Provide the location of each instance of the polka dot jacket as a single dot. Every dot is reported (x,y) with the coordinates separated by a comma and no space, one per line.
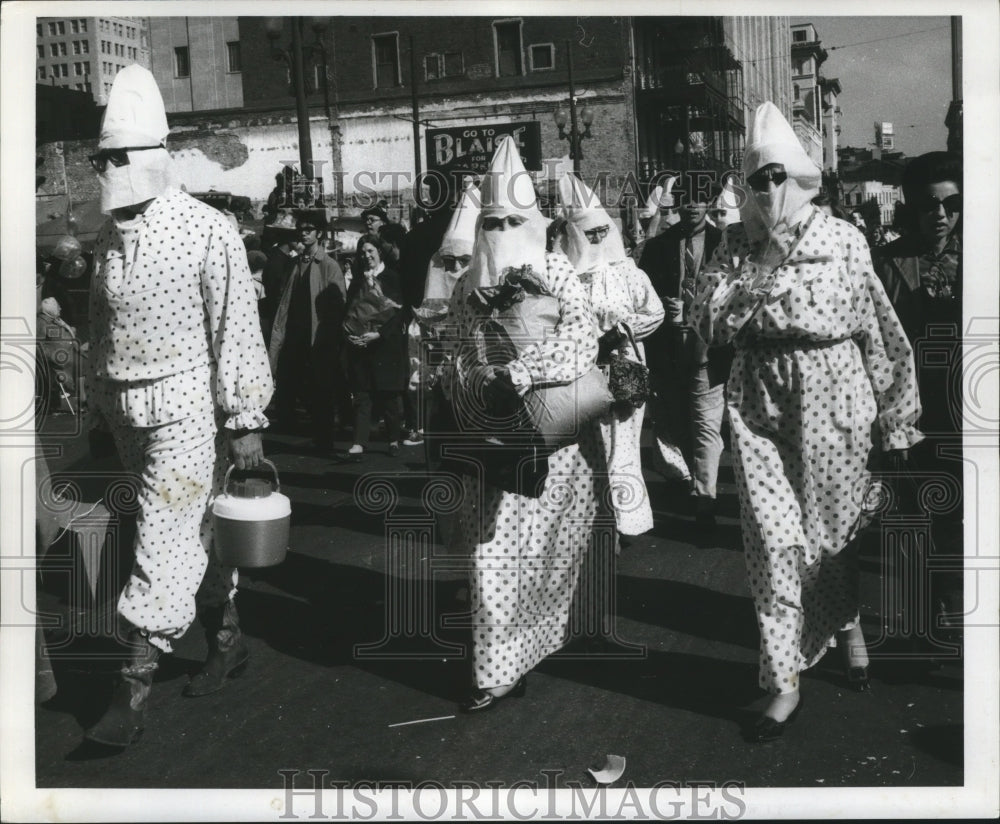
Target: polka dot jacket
(174,323)
(825,291)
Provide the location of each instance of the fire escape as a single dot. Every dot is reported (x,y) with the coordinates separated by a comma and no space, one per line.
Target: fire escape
(689,97)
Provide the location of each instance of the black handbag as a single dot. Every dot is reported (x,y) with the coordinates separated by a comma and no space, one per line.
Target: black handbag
(628,379)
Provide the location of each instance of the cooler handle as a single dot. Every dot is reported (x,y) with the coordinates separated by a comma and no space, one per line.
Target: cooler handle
(277,481)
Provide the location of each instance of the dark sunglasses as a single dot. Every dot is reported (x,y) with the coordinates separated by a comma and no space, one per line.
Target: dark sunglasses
(117,157)
(759,180)
(491,224)
(952,204)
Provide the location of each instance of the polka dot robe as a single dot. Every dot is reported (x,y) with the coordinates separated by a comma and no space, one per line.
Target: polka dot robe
(621,293)
(527,552)
(823,374)
(177,357)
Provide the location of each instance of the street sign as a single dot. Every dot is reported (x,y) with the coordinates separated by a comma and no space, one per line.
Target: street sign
(470,148)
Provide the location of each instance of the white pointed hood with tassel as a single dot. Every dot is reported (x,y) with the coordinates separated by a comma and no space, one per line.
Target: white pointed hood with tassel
(135,116)
(772,140)
(507,191)
(458,241)
(583,211)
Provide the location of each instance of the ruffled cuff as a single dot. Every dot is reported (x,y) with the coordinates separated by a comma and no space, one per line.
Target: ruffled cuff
(247,419)
(519,376)
(903,437)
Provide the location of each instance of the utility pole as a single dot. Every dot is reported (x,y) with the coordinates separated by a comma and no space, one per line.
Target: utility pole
(301,108)
(574,140)
(953,120)
(416,114)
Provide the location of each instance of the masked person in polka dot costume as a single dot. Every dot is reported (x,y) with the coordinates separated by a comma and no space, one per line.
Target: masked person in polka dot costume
(527,552)
(180,379)
(823,377)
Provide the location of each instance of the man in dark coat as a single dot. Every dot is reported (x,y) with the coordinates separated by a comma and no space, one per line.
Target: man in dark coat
(922,274)
(688,378)
(305,348)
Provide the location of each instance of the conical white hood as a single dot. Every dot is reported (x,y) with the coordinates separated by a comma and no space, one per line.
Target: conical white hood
(135,115)
(507,187)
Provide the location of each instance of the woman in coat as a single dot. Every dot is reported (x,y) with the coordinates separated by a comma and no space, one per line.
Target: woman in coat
(822,382)
(377,358)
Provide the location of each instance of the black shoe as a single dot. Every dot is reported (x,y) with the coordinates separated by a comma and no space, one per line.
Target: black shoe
(857,674)
(766,728)
(857,678)
(480,700)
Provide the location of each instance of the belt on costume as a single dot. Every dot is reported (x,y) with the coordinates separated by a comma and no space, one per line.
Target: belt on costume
(788,343)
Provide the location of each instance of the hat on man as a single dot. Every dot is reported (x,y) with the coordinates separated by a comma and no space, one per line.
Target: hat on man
(375,211)
(317,217)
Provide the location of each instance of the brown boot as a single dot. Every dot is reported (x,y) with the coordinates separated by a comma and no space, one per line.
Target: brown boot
(122,723)
(227,651)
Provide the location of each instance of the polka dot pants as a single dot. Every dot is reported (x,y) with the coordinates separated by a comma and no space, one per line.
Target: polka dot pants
(181,465)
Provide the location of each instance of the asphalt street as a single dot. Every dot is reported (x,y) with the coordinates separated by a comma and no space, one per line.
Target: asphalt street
(350,640)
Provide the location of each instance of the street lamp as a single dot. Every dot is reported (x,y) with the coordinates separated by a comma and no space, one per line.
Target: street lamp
(294,58)
(574,136)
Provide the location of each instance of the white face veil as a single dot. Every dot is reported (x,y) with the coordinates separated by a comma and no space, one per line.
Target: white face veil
(583,212)
(135,116)
(772,140)
(457,242)
(507,191)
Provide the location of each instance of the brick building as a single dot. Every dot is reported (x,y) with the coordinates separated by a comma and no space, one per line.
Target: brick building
(470,71)
(197,62)
(85,53)
(807,106)
(644,84)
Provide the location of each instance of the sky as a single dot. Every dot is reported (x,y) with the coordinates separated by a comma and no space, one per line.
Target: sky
(905,80)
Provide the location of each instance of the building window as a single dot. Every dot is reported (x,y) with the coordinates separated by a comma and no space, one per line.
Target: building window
(182,63)
(385,60)
(86,68)
(448,64)
(507,38)
(83,25)
(234,61)
(799,36)
(61,27)
(76,47)
(41,72)
(78,69)
(38,29)
(52,29)
(542,56)
(432,66)
(41,52)
(86,47)
(54,49)
(74,26)
(62,49)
